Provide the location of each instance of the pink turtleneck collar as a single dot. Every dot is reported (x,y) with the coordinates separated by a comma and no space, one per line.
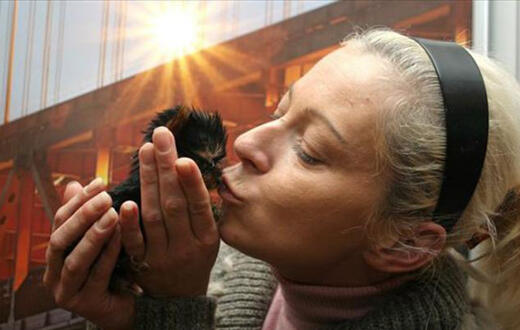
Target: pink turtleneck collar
(301,306)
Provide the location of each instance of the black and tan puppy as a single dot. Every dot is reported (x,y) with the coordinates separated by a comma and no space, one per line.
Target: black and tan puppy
(200,136)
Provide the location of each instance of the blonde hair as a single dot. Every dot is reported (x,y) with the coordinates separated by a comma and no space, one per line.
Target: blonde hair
(411,151)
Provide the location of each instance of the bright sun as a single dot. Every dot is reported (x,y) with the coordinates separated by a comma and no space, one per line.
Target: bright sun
(174,31)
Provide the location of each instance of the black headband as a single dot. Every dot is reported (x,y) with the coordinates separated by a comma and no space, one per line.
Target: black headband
(467,122)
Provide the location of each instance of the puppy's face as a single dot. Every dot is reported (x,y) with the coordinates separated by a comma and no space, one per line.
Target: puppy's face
(199,135)
(202,137)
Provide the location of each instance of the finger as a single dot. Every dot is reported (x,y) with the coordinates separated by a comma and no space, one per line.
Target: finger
(71,189)
(70,232)
(99,277)
(199,206)
(150,206)
(173,201)
(131,236)
(74,203)
(77,264)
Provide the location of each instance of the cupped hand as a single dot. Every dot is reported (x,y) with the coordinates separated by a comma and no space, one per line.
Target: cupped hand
(180,240)
(79,280)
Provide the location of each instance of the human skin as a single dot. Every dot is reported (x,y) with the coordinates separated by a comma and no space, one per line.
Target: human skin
(177,217)
(307,181)
(304,191)
(306,218)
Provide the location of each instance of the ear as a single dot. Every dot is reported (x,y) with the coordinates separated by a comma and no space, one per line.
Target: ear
(176,123)
(423,244)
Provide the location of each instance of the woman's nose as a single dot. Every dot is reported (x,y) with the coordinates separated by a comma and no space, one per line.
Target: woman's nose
(252,147)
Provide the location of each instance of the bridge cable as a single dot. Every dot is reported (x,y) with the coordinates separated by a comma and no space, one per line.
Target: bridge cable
(269,7)
(46,55)
(301,4)
(59,51)
(286,9)
(115,42)
(4,63)
(235,21)
(103,44)
(201,23)
(14,11)
(28,59)
(122,39)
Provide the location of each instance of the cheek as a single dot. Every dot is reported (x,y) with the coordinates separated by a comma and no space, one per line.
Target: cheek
(301,194)
(318,207)
(292,210)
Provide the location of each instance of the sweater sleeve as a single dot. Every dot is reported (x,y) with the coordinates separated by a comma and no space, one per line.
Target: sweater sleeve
(175,313)
(171,313)
(184,313)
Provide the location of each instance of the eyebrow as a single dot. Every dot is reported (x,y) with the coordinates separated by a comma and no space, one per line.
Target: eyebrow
(321,117)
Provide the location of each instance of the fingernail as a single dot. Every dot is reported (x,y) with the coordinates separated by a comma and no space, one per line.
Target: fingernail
(147,154)
(162,139)
(136,212)
(183,166)
(107,220)
(128,209)
(102,200)
(93,185)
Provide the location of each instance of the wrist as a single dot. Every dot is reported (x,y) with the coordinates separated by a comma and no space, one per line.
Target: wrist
(125,319)
(188,290)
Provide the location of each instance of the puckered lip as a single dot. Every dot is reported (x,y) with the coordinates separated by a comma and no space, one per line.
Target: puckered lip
(225,187)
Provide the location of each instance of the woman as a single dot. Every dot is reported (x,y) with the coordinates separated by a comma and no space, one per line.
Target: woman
(335,194)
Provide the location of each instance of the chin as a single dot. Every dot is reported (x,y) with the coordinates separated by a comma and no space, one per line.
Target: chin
(227,227)
(234,234)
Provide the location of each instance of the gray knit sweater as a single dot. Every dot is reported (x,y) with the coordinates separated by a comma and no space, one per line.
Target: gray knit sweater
(241,289)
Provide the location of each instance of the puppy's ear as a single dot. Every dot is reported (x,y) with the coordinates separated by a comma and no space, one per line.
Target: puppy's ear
(176,123)
(173,119)
(409,253)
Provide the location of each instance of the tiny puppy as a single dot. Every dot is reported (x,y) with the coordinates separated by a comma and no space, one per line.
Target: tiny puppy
(199,135)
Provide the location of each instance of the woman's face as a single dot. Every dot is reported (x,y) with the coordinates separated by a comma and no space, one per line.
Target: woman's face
(307,180)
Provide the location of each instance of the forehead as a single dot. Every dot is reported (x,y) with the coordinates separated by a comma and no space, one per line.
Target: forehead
(345,86)
(347,74)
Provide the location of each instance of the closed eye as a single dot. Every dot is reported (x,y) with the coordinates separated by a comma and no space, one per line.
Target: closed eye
(305,157)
